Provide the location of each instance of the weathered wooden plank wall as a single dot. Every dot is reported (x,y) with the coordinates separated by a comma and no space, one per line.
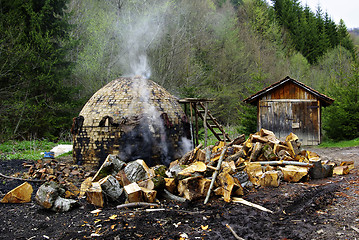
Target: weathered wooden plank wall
(291,109)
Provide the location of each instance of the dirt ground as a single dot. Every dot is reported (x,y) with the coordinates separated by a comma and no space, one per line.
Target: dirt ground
(318,209)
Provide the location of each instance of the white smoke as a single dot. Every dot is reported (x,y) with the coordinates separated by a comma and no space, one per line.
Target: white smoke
(142,25)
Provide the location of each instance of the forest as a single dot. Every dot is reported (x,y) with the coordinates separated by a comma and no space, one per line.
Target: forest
(55,54)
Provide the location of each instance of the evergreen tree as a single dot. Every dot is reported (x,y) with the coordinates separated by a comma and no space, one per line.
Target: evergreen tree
(36,97)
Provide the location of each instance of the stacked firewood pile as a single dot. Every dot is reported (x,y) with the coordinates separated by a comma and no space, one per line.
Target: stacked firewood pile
(225,169)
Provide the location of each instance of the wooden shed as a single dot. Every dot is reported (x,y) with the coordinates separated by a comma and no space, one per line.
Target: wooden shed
(290,106)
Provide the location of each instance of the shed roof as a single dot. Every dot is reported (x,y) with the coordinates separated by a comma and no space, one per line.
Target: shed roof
(326,101)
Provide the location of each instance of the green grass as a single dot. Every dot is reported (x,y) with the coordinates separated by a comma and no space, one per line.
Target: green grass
(347,143)
(29,150)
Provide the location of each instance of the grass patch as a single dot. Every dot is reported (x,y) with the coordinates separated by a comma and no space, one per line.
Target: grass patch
(341,144)
(29,150)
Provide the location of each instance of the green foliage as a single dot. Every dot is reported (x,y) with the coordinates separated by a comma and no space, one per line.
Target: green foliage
(341,120)
(36,99)
(29,150)
(340,144)
(312,34)
(248,119)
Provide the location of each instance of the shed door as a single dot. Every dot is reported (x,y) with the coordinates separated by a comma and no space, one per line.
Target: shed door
(285,116)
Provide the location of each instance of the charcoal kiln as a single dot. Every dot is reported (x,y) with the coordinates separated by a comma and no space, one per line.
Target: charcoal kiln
(134,118)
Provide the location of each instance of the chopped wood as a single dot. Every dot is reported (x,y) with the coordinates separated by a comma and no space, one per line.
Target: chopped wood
(245,202)
(293,173)
(254,171)
(111,187)
(122,178)
(257,138)
(236,156)
(170,184)
(194,167)
(256,150)
(20,194)
(137,204)
(227,183)
(133,192)
(270,179)
(148,183)
(238,140)
(193,188)
(150,172)
(94,195)
(291,137)
(149,195)
(234,233)
(85,185)
(341,170)
(264,132)
(350,164)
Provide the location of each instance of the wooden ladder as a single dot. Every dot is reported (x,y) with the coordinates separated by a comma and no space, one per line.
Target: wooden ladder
(211,122)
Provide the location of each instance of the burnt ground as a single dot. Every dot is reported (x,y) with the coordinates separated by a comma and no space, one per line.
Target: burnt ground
(318,209)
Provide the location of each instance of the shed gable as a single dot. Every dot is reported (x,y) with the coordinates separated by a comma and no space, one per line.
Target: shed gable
(289,90)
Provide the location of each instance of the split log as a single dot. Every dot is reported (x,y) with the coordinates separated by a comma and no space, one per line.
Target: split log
(170,184)
(247,145)
(350,164)
(270,179)
(256,150)
(227,182)
(257,138)
(71,190)
(137,171)
(122,178)
(94,195)
(47,194)
(194,167)
(201,155)
(237,189)
(238,140)
(236,156)
(149,195)
(291,137)
(148,183)
(341,170)
(254,171)
(268,153)
(133,193)
(111,187)
(193,187)
(85,185)
(189,156)
(20,194)
(293,173)
(264,133)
